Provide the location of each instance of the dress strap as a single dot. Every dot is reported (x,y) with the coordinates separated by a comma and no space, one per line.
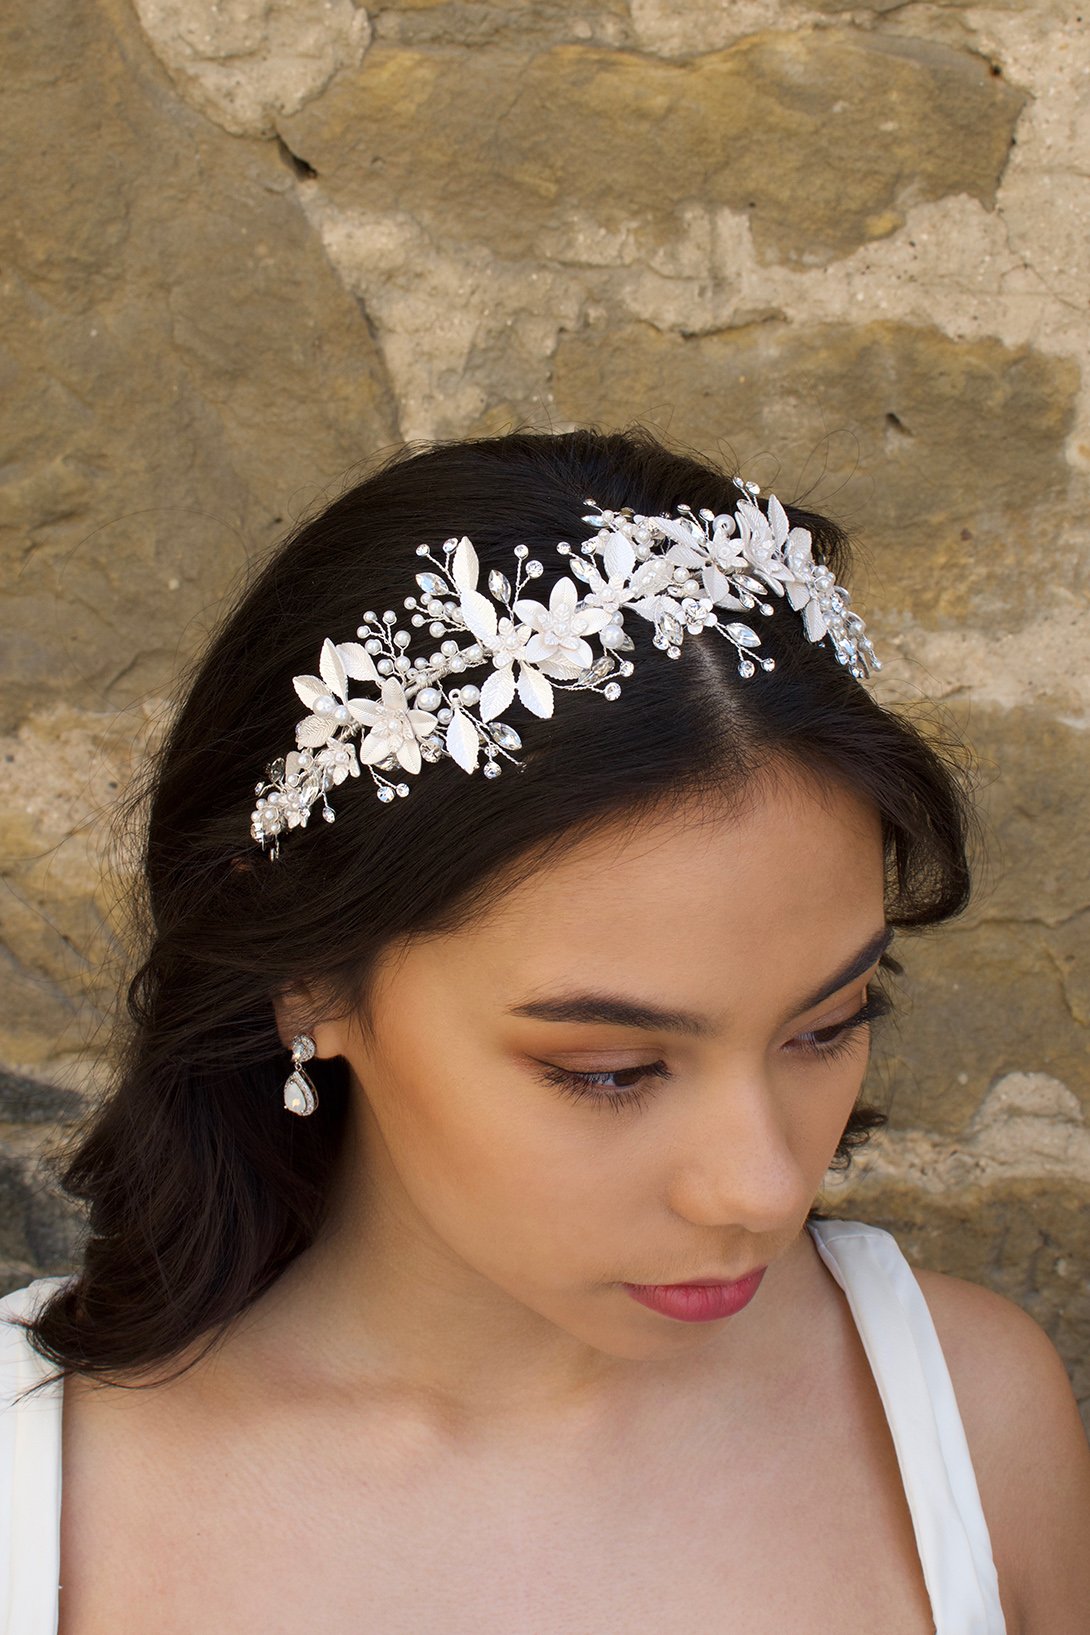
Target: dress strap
(910,1371)
(30,1473)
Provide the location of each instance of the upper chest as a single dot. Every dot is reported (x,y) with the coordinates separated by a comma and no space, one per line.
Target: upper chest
(780,1517)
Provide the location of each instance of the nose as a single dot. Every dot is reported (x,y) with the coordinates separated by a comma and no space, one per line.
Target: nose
(735,1164)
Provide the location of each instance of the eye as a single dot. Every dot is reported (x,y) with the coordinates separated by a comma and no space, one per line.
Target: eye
(831,1042)
(580,1085)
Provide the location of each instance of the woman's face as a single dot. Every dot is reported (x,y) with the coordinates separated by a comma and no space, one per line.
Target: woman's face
(636,1069)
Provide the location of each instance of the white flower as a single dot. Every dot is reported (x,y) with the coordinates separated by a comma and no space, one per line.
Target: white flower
(394,728)
(626,587)
(507,644)
(327,695)
(765,542)
(557,646)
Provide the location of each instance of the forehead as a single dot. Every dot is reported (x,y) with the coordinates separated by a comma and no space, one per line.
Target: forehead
(691,898)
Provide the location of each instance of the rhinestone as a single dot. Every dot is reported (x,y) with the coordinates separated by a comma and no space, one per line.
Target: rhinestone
(673,652)
(490,769)
(422,550)
(403,789)
(385,792)
(431,584)
(499,585)
(522,550)
(746,668)
(506,736)
(743,636)
(611,690)
(534,570)
(298,1096)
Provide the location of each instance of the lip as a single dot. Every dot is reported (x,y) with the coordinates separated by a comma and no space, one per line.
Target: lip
(699,1302)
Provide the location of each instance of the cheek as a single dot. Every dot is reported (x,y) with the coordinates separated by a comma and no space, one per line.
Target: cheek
(498,1171)
(821,1101)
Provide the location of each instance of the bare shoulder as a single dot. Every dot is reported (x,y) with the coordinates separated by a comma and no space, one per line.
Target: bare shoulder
(1028,1446)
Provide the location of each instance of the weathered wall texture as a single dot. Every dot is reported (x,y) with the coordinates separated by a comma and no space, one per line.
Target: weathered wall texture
(261,240)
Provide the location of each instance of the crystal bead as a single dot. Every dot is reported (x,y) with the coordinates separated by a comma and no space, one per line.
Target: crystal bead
(431,584)
(499,585)
(506,736)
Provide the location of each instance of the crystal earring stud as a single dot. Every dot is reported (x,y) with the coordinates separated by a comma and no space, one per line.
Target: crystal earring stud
(300,1095)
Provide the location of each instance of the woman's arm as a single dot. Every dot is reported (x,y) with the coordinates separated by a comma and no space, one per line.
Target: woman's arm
(1029,1449)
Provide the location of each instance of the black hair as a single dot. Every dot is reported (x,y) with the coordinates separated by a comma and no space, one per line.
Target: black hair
(198,1188)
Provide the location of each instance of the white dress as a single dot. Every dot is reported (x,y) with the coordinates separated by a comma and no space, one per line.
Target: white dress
(898,1336)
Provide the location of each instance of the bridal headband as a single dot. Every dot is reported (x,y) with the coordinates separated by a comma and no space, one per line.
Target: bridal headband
(675,572)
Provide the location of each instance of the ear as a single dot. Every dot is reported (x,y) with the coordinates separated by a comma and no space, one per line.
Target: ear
(294,1009)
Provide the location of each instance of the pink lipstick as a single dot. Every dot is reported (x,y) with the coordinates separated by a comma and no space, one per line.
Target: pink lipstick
(697,1302)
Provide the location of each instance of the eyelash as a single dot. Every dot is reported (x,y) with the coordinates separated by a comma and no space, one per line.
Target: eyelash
(580,1086)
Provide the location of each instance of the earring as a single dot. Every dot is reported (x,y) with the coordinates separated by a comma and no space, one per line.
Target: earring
(300,1095)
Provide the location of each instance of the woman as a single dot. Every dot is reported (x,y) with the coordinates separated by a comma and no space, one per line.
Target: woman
(413,1331)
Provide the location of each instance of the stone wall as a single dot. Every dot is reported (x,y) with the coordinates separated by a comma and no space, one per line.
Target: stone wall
(260,241)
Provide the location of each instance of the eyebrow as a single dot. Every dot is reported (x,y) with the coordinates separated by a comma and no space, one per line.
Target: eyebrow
(629,1013)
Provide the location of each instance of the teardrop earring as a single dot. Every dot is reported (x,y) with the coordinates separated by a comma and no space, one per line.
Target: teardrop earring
(300,1095)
